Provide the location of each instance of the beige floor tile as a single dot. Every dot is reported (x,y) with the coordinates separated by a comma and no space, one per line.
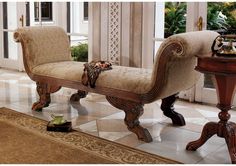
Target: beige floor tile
(173,144)
(111,125)
(130,140)
(220,156)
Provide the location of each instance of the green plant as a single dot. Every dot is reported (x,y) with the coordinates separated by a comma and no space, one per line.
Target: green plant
(221,15)
(215,18)
(229,9)
(80,52)
(175,18)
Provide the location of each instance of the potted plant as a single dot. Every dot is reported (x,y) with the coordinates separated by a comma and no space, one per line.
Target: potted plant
(80,52)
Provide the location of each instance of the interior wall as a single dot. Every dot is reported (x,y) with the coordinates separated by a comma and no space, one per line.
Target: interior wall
(118,33)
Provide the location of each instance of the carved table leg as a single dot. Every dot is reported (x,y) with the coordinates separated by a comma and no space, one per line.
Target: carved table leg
(79,95)
(44,91)
(167,106)
(230,138)
(225,87)
(208,131)
(132,111)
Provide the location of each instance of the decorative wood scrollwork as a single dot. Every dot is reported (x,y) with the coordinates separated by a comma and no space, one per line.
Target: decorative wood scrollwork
(44,91)
(132,113)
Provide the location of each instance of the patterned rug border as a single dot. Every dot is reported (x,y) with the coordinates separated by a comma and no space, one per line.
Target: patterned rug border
(95,145)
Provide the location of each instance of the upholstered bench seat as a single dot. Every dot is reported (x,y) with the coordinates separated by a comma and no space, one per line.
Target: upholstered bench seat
(66,70)
(130,79)
(47,61)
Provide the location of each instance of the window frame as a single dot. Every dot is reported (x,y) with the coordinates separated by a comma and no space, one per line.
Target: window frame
(39,8)
(85,20)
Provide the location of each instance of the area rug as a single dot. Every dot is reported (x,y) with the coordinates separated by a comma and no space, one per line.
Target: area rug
(24,139)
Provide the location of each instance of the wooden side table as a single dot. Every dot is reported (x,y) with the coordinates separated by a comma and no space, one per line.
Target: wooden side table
(223,71)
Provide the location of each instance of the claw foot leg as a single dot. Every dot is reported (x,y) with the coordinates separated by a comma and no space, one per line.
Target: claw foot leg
(132,113)
(44,91)
(167,106)
(37,106)
(77,96)
(208,131)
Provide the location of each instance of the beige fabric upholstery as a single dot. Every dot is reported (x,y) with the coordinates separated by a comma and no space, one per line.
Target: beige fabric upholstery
(44,45)
(120,78)
(179,73)
(47,53)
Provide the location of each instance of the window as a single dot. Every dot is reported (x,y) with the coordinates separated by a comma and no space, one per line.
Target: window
(77,17)
(45,11)
(85,11)
(170,19)
(78,24)
(5,34)
(221,18)
(175,18)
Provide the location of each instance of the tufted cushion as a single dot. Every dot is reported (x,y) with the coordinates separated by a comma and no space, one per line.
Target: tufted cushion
(122,78)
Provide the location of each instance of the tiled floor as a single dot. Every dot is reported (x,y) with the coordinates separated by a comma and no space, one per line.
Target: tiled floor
(95,116)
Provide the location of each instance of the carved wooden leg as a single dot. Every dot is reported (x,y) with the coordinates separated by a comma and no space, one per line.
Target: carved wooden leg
(167,106)
(44,91)
(230,138)
(208,131)
(132,113)
(79,95)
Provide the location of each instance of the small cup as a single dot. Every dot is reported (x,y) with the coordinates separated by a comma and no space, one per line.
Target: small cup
(58,119)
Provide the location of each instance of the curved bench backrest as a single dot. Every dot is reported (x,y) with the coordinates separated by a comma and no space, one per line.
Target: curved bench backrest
(175,61)
(43,45)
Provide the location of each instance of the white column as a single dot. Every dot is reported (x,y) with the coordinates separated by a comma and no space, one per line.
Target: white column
(94,35)
(60,18)
(148,34)
(159,23)
(104,30)
(125,34)
(195,10)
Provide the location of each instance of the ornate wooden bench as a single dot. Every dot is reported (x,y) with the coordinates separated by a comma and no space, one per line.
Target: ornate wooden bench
(47,61)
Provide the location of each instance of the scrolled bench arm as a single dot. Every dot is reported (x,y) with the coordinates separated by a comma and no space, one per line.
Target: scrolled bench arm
(170,52)
(175,61)
(17,37)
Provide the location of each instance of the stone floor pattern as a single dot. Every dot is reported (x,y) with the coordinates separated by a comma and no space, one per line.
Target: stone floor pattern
(94,115)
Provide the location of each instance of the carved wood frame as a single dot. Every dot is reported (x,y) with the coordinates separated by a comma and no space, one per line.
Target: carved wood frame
(165,55)
(130,103)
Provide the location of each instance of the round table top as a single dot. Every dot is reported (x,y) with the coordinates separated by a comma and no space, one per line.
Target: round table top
(217,65)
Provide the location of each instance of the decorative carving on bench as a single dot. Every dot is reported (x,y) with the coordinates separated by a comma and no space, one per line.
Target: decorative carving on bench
(132,111)
(169,51)
(44,91)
